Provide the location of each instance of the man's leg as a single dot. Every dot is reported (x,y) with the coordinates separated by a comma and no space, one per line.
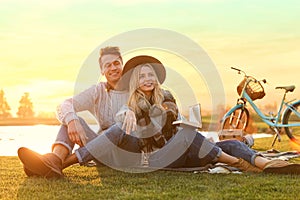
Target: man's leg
(113,148)
(70,160)
(48,165)
(51,164)
(63,146)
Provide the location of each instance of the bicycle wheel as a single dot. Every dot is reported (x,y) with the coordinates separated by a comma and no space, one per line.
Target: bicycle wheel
(290,117)
(237,120)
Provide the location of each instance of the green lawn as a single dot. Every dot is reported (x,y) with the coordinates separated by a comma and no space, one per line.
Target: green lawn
(105,183)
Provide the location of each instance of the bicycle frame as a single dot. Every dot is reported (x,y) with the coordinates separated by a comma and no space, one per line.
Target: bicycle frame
(273,121)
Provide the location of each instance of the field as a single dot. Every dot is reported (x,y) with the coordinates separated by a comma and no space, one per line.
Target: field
(82,182)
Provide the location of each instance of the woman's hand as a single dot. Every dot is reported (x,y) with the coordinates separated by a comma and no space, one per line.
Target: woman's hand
(76,132)
(129,123)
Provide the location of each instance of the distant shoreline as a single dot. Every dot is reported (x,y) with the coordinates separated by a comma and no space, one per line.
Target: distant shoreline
(28,122)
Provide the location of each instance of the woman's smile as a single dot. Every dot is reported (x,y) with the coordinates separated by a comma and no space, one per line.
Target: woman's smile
(146,79)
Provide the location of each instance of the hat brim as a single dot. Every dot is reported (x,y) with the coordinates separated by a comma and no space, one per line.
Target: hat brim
(138,60)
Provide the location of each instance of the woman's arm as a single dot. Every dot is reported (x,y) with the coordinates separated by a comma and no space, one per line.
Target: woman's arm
(128,118)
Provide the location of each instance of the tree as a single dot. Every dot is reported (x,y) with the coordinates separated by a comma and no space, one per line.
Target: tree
(4,107)
(25,109)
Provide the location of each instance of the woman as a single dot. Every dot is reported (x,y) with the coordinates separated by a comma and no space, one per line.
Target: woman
(145,125)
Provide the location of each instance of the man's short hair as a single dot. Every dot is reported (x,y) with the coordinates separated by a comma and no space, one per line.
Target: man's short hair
(109,50)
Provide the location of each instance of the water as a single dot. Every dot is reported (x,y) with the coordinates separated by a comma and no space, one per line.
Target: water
(40,138)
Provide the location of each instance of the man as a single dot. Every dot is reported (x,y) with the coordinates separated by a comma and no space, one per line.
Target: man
(101,100)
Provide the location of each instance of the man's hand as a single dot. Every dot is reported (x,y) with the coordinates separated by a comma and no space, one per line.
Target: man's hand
(76,132)
(129,123)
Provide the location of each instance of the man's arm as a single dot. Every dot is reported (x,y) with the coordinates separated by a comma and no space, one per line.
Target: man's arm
(83,101)
(66,114)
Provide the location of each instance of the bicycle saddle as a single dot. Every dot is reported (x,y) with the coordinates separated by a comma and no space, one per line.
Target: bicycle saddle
(287,88)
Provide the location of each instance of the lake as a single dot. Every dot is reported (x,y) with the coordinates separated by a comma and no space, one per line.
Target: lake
(40,138)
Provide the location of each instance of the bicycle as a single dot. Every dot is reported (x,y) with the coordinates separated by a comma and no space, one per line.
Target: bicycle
(250,89)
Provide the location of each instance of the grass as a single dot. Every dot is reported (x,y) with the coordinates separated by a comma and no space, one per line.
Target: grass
(105,183)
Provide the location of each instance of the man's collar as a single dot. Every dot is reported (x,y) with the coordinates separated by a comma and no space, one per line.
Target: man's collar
(109,87)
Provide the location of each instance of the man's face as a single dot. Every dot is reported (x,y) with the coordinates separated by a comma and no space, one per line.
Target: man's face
(111,68)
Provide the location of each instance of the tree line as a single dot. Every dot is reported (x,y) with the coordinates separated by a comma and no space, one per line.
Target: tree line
(25,109)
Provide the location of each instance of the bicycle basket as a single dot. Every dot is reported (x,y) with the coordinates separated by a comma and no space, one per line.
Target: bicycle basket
(254,89)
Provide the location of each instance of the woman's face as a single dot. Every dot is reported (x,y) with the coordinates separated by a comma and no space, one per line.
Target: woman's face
(147,80)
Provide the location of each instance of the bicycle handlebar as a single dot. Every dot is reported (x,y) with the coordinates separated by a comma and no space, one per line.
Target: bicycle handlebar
(241,71)
(235,69)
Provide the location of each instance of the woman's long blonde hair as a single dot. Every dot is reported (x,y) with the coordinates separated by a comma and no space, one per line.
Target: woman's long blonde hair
(135,94)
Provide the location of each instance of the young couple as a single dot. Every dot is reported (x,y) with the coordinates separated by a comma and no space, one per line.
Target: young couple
(135,115)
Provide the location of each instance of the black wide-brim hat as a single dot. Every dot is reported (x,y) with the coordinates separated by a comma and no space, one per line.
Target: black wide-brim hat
(138,60)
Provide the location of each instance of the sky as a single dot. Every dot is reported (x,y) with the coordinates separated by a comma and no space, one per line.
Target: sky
(46,45)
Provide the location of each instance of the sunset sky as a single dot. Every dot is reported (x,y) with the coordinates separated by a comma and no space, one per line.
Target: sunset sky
(44,44)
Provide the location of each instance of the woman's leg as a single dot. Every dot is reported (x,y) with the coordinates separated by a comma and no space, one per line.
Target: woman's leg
(186,149)
(228,159)
(202,151)
(196,151)
(241,150)
(238,149)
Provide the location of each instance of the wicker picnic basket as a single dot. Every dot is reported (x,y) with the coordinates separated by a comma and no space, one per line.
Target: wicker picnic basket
(254,89)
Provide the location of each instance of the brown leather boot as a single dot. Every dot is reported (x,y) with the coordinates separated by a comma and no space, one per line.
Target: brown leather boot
(246,166)
(48,165)
(278,166)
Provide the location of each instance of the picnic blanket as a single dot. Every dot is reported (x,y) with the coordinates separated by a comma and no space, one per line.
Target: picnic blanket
(280,155)
(225,169)
(274,154)
(218,168)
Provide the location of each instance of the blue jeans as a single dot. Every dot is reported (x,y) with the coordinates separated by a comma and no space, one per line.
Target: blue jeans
(103,143)
(200,151)
(116,149)
(186,149)
(63,137)
(113,148)
(238,149)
